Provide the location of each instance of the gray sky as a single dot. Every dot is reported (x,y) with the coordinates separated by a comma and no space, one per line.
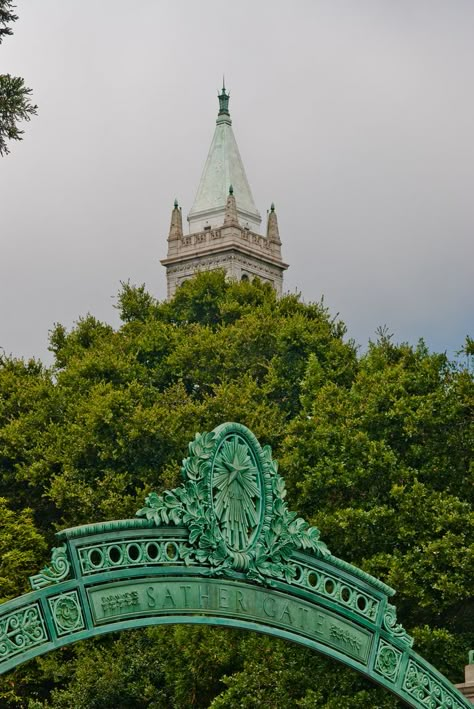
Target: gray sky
(356,118)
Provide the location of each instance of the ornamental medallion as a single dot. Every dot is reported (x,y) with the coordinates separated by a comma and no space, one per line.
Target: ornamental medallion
(233,503)
(66,612)
(236,492)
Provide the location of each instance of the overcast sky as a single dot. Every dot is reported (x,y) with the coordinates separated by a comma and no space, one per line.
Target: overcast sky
(356,118)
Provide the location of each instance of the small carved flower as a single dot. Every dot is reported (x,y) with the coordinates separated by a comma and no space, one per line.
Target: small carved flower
(67,613)
(387,662)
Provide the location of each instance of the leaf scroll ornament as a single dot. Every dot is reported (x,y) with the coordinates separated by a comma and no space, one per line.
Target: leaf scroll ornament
(233,503)
(57,571)
(396,630)
(189,505)
(287,532)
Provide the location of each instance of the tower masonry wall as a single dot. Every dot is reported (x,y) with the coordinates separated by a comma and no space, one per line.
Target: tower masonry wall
(237,266)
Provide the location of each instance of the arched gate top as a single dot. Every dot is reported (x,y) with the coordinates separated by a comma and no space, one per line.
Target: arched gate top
(222,548)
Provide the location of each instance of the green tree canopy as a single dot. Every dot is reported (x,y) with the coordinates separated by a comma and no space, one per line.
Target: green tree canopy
(15,103)
(376,450)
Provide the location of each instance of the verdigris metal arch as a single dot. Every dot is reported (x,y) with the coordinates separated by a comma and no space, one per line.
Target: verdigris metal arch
(221,549)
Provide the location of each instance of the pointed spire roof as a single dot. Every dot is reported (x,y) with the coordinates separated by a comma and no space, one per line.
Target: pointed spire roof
(223,167)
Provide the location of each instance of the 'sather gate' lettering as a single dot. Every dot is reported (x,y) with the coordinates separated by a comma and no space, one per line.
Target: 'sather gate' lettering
(229,600)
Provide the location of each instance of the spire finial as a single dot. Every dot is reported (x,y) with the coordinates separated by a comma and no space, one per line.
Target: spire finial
(231,189)
(176,204)
(273,234)
(224,101)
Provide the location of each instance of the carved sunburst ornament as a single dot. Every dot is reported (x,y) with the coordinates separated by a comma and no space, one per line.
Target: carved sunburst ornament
(236,493)
(233,503)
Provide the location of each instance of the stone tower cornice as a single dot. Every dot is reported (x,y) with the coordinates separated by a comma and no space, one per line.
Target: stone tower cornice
(211,241)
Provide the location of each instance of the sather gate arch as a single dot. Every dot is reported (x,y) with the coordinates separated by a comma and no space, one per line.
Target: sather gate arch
(221,549)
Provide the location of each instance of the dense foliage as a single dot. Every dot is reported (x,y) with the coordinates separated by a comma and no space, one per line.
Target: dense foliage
(15,103)
(376,450)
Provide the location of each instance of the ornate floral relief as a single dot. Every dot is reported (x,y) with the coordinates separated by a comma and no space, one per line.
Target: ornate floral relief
(20,630)
(387,661)
(67,613)
(427,690)
(233,504)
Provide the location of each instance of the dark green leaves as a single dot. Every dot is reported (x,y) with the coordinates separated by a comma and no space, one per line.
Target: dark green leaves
(15,104)
(376,452)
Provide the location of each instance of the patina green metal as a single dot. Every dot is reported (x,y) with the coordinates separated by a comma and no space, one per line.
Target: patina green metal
(56,572)
(223,102)
(220,549)
(232,501)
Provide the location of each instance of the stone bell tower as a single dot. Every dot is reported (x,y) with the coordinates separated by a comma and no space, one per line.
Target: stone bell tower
(224,223)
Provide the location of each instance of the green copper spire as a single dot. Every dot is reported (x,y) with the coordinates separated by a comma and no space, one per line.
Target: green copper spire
(223,101)
(231,189)
(223,168)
